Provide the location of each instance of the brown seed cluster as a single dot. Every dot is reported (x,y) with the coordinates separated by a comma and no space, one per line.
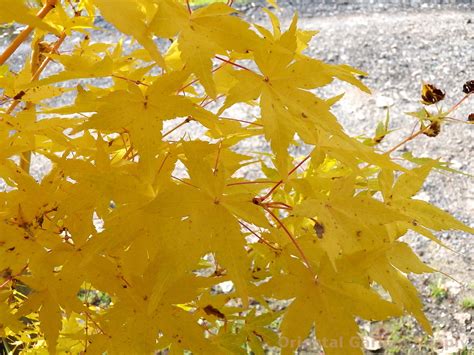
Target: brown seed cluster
(433,129)
(430,94)
(468,87)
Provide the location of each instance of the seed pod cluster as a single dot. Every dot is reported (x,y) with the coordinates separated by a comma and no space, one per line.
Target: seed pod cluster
(430,94)
(433,129)
(468,87)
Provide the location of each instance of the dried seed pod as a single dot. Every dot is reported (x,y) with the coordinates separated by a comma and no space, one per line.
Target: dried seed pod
(433,129)
(319,229)
(430,94)
(468,87)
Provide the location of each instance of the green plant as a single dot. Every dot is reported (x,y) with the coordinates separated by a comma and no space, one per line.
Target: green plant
(438,290)
(467,303)
(183,252)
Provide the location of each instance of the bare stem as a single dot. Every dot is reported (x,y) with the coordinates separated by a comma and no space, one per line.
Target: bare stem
(196,80)
(264,241)
(217,158)
(38,72)
(243,121)
(251,182)
(406,140)
(232,63)
(188,119)
(293,240)
(48,6)
(459,103)
(137,82)
(269,193)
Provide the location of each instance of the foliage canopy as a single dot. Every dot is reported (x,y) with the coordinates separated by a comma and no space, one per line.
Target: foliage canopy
(147,201)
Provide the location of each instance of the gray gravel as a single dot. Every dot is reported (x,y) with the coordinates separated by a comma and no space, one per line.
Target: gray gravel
(400,48)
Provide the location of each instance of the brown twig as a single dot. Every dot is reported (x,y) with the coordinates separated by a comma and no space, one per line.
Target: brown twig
(137,82)
(459,103)
(406,140)
(269,193)
(243,121)
(251,182)
(188,119)
(232,63)
(37,73)
(263,240)
(293,240)
(184,182)
(196,80)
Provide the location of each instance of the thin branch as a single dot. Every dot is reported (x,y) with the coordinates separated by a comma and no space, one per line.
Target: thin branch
(214,172)
(37,73)
(293,240)
(10,279)
(406,140)
(243,121)
(137,82)
(95,323)
(459,103)
(188,119)
(184,182)
(163,163)
(196,80)
(210,101)
(264,241)
(269,193)
(278,205)
(251,182)
(232,63)
(48,59)
(50,4)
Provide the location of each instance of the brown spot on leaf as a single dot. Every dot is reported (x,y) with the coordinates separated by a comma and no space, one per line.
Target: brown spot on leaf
(19,95)
(210,310)
(319,229)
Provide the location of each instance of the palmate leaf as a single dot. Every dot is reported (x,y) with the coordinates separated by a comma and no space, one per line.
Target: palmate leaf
(202,34)
(329,304)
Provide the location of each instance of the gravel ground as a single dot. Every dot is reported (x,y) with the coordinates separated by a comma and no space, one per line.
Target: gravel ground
(400,48)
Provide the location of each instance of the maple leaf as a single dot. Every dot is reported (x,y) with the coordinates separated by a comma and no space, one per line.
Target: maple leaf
(133,24)
(331,304)
(202,34)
